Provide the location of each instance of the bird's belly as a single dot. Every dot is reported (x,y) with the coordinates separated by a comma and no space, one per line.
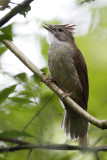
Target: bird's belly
(63,71)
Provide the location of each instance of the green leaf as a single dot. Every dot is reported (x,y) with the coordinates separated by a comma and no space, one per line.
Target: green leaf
(2,50)
(22,76)
(21,100)
(26,93)
(35,78)
(5,37)
(5,92)
(45,70)
(7,29)
(24,12)
(15,134)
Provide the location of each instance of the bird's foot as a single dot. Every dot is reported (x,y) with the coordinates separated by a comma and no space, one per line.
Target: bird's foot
(66,95)
(48,80)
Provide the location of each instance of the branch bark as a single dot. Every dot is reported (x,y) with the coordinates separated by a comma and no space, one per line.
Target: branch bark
(20,7)
(63,147)
(99,123)
(22,145)
(12,140)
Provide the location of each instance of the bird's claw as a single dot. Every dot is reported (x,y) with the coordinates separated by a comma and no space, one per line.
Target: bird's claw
(66,95)
(48,80)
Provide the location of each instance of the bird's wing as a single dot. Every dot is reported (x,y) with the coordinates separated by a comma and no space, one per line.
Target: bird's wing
(83,75)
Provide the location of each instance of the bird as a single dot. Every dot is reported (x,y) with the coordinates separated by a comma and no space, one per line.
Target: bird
(69,71)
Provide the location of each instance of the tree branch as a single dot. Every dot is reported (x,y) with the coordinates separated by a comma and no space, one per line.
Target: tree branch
(99,123)
(12,140)
(63,147)
(20,7)
(22,145)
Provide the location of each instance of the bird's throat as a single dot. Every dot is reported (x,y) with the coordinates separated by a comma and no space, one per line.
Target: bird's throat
(51,39)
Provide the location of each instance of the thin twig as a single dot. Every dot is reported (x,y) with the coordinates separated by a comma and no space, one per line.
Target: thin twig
(20,7)
(29,153)
(99,123)
(30,121)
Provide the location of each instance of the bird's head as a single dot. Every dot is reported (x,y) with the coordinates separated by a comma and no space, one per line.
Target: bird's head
(63,33)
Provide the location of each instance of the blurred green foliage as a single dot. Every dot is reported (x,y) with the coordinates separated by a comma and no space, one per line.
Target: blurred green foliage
(7,33)
(24,12)
(80,2)
(21,101)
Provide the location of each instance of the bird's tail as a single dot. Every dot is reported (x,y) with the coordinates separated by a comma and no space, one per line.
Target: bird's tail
(83,140)
(75,126)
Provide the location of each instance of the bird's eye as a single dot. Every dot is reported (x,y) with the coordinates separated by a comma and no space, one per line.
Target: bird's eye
(60,29)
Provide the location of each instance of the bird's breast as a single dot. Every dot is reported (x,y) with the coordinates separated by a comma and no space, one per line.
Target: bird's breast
(62,67)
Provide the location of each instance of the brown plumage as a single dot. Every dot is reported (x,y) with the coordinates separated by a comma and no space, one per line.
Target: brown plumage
(68,68)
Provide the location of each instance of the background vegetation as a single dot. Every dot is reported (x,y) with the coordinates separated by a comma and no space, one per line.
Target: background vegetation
(22,96)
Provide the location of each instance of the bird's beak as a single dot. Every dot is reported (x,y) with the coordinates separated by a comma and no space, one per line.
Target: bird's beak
(48,27)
